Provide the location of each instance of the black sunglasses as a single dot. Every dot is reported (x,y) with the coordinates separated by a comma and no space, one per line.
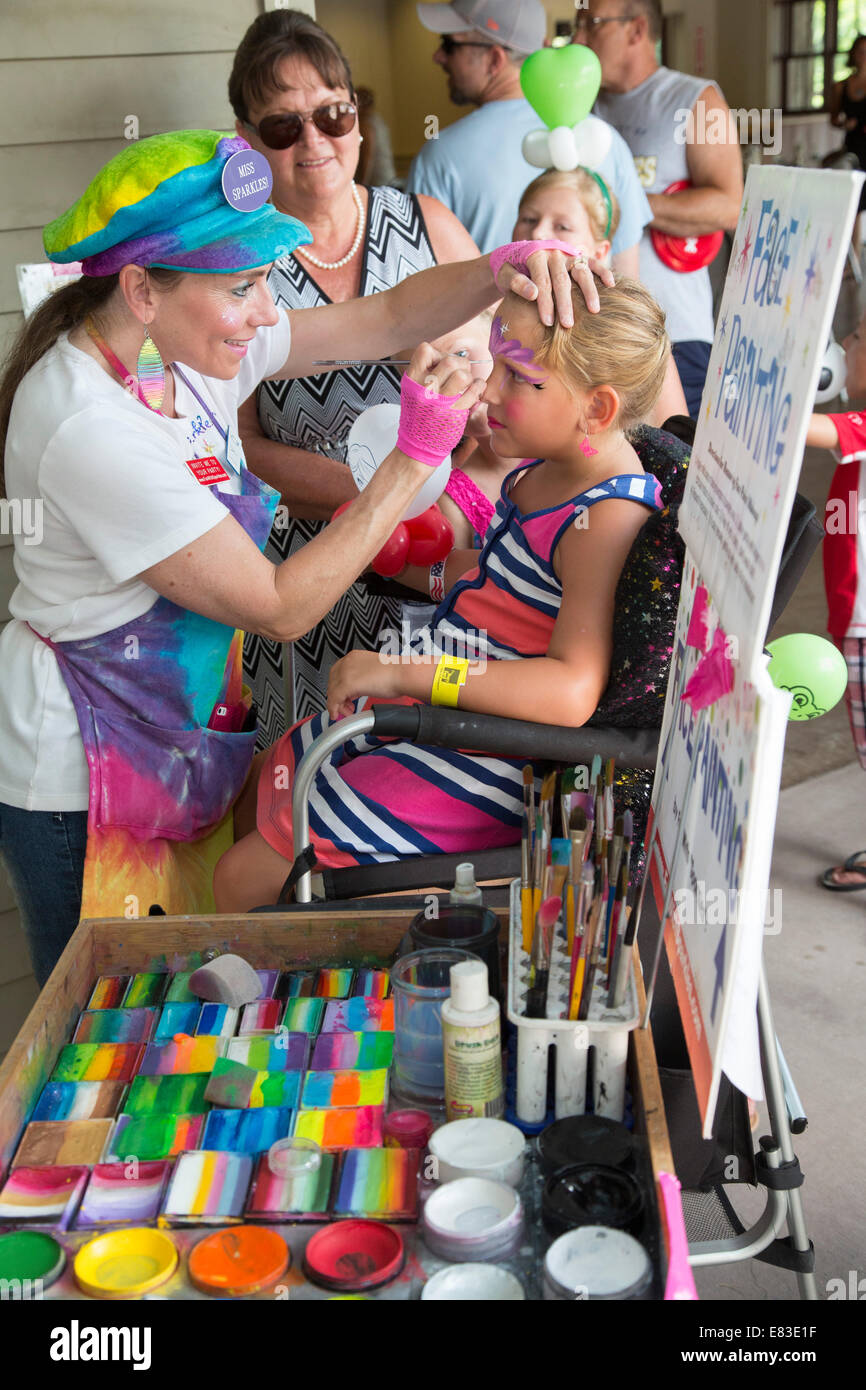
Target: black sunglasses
(449,45)
(282,131)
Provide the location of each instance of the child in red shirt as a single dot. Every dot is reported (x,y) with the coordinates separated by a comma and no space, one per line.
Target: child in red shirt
(845,565)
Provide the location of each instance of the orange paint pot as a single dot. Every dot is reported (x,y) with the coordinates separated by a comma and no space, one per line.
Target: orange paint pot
(240,1260)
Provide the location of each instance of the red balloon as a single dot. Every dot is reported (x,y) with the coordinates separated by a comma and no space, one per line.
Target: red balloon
(393,557)
(685,254)
(431,537)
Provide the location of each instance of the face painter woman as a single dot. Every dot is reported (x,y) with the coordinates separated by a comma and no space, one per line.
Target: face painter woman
(125,732)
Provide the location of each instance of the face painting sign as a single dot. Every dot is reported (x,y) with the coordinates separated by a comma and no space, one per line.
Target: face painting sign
(722,905)
(771,332)
(725,762)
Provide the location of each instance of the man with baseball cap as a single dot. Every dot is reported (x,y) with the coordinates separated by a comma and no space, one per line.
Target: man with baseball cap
(475,166)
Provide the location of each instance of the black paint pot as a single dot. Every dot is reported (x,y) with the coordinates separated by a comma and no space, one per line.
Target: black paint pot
(591,1194)
(584,1139)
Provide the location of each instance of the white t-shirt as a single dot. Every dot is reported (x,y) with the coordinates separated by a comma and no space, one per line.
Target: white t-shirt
(116,497)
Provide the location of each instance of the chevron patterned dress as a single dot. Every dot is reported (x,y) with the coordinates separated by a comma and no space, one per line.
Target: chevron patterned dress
(316,413)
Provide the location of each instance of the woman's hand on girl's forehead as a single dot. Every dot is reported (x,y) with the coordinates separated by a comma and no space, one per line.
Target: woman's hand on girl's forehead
(552,276)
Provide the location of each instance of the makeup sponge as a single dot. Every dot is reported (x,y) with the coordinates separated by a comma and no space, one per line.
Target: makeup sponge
(227,980)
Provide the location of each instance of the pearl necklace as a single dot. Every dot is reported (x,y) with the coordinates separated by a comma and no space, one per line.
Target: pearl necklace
(344,260)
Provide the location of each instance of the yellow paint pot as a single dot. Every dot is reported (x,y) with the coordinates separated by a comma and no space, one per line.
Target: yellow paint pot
(125,1264)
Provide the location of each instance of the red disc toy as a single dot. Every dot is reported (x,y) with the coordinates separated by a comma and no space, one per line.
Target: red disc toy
(686,253)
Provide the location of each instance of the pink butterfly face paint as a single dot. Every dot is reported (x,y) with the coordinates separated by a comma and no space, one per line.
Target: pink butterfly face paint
(511,349)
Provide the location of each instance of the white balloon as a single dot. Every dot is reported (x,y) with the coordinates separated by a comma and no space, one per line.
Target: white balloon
(563,148)
(593,138)
(371,439)
(536,148)
(831,378)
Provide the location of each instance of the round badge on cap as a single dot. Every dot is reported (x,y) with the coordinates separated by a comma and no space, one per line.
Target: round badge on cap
(681,253)
(247,180)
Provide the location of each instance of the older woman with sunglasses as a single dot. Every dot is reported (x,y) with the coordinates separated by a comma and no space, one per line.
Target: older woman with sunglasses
(292,94)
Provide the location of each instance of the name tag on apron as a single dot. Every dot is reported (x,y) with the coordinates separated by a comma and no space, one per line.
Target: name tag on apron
(234,451)
(207,471)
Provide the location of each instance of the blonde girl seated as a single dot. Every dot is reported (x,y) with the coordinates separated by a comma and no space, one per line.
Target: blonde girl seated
(578,207)
(532,615)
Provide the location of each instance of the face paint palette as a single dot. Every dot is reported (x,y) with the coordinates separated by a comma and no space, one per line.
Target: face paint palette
(334,1090)
(167,1095)
(178,991)
(247,1131)
(304,1015)
(183,1055)
(379,1183)
(217,1020)
(108,992)
(269,980)
(301,984)
(371,984)
(261,1017)
(62,1141)
(97,1062)
(43,1196)
(79,1100)
(176,1018)
(240,1087)
(123,1194)
(298,1196)
(334,984)
(145,990)
(342,1129)
(208,1186)
(363,1051)
(281,1052)
(359,1015)
(115,1025)
(154,1136)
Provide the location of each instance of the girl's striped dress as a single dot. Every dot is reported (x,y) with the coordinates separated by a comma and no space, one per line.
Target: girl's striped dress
(376,800)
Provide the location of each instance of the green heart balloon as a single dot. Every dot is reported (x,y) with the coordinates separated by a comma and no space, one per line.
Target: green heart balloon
(812,668)
(561,84)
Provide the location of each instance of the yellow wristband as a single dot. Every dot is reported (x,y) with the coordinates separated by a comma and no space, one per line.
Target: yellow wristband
(450,675)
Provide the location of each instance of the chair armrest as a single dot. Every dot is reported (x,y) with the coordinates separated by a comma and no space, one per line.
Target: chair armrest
(514,738)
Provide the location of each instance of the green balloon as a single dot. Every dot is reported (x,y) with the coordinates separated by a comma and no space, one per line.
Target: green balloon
(561,84)
(812,669)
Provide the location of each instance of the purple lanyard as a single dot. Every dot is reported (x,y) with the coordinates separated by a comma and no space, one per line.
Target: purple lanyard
(205,407)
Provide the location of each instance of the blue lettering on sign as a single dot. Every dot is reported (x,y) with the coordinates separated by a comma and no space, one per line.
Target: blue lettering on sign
(719,963)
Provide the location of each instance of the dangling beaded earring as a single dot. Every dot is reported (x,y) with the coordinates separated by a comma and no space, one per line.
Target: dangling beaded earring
(586,448)
(151,373)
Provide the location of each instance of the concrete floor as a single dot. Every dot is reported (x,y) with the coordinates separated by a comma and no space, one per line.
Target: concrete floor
(816,965)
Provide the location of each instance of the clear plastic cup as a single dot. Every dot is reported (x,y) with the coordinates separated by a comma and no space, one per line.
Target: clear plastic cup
(420,982)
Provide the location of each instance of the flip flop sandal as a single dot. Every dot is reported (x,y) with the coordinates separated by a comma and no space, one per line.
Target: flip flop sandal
(827,880)
(856,860)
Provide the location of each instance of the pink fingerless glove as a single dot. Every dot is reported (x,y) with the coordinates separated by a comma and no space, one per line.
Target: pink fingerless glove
(517,253)
(429,428)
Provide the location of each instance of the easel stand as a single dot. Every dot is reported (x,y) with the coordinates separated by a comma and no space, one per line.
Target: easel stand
(777,1164)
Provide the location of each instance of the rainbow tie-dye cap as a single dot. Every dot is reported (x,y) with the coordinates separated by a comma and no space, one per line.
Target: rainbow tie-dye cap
(161,202)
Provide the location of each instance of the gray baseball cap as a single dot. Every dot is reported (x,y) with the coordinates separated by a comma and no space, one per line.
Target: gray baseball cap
(517,24)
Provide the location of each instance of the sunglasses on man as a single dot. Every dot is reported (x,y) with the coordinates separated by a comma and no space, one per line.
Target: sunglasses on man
(282,131)
(449,44)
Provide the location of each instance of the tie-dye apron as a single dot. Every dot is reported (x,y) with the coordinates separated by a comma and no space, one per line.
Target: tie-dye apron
(162,784)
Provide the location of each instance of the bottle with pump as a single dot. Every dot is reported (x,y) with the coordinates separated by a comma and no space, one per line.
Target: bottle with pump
(471,1042)
(465,891)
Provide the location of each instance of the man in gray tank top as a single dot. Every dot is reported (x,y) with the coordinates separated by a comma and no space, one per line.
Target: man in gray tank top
(677,127)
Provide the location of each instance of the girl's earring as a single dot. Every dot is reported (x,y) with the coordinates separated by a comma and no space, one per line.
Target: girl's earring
(151,373)
(586,448)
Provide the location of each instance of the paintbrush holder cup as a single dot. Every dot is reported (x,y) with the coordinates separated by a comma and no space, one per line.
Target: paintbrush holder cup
(605,1032)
